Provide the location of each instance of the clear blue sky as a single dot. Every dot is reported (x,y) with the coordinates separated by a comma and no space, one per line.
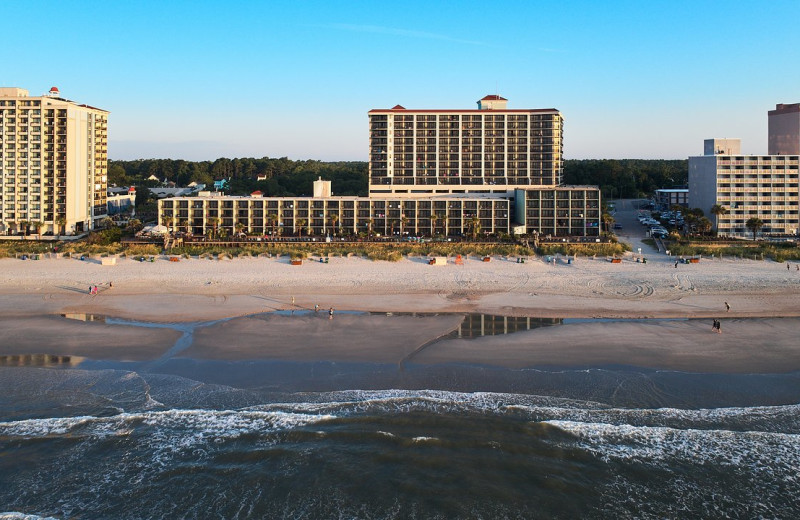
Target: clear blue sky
(200,80)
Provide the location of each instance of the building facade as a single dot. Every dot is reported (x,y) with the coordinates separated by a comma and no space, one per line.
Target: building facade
(491,150)
(431,172)
(53,163)
(396,217)
(784,130)
(761,186)
(665,198)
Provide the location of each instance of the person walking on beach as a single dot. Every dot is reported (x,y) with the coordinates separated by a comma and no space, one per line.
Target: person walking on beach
(676,264)
(330,313)
(716,327)
(787,266)
(727,307)
(316,307)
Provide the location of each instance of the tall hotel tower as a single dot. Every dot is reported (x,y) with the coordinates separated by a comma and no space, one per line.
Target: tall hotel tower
(493,170)
(493,149)
(53,163)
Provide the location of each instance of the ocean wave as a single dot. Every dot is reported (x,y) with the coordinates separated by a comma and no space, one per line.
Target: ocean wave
(197,423)
(12,515)
(774,452)
(776,419)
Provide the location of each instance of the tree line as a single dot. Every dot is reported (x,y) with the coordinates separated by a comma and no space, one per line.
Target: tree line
(283,177)
(627,178)
(617,178)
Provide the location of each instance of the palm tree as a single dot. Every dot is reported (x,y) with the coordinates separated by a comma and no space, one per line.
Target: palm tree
(239,227)
(475,226)
(434,221)
(334,219)
(23,225)
(403,223)
(38,226)
(608,220)
(273,221)
(214,221)
(754,224)
(718,210)
(370,225)
(61,222)
(301,223)
(703,225)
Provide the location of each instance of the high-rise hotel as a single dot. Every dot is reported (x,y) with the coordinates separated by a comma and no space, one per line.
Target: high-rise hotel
(493,149)
(53,163)
(431,172)
(766,187)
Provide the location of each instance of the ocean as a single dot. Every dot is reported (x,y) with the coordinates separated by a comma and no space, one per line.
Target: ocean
(234,440)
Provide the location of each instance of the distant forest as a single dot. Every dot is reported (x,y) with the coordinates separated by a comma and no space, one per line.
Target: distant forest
(618,178)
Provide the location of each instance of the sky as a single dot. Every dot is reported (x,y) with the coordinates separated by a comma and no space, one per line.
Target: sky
(199,80)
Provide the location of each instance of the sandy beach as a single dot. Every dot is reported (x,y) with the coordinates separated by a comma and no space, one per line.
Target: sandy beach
(34,293)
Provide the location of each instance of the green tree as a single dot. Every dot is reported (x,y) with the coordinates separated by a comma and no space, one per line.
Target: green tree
(704,225)
(718,210)
(475,227)
(608,220)
(214,223)
(61,222)
(334,219)
(754,224)
(37,225)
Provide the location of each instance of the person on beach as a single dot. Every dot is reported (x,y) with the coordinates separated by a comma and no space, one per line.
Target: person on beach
(330,313)
(727,307)
(676,264)
(787,266)
(719,327)
(715,327)
(316,307)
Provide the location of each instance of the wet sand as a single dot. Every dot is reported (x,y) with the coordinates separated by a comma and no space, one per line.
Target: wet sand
(33,293)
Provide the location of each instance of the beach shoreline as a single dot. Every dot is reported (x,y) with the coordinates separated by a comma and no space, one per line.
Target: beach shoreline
(245,293)
(195,289)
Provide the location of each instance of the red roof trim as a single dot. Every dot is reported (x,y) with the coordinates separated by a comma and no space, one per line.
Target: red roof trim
(398,107)
(459,111)
(493,97)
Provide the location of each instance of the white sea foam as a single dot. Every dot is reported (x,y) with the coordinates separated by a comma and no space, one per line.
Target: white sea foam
(538,408)
(11,515)
(777,453)
(197,424)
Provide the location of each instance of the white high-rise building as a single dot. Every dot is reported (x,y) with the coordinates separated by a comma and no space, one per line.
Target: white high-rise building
(53,163)
(751,186)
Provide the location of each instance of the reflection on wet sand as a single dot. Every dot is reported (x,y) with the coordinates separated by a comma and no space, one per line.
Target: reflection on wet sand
(81,316)
(40,360)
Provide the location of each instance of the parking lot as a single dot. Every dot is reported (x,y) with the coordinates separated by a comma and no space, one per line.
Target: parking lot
(626,213)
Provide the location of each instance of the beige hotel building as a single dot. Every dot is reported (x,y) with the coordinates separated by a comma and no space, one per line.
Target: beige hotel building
(431,172)
(53,163)
(766,187)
